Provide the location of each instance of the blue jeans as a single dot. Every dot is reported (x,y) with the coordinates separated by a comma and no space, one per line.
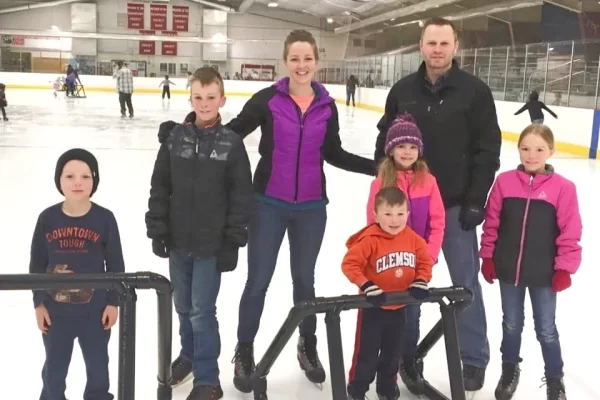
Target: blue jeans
(58,342)
(305,229)
(196,282)
(410,336)
(543,304)
(461,253)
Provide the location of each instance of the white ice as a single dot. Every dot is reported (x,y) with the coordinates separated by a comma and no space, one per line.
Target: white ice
(42,127)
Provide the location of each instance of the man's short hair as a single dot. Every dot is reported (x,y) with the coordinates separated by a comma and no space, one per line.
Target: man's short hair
(439,21)
(206,76)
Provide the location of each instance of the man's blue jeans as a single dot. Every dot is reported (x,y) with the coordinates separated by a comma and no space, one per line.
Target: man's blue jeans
(461,253)
(543,304)
(196,282)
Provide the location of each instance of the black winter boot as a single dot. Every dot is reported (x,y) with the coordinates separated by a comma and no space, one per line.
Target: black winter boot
(206,392)
(474,377)
(244,367)
(181,370)
(509,381)
(309,359)
(411,372)
(555,388)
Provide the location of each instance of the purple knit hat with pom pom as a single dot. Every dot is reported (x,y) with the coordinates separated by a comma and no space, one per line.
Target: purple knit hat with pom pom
(404,129)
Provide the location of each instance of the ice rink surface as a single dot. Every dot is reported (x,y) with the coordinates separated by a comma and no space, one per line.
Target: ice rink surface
(41,127)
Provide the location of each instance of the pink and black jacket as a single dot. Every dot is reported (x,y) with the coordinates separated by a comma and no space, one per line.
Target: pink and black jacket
(532,227)
(427,214)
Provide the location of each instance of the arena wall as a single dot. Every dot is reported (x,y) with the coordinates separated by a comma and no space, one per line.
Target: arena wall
(576,130)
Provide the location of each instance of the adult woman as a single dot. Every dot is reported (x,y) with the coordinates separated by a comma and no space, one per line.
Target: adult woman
(300,130)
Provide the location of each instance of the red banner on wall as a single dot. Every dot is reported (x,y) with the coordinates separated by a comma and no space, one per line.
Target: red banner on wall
(147,47)
(181,17)
(135,15)
(158,16)
(169,48)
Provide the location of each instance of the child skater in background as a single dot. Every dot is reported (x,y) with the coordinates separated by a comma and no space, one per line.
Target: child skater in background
(385,256)
(405,168)
(540,259)
(76,236)
(535,106)
(3,102)
(56,85)
(166,88)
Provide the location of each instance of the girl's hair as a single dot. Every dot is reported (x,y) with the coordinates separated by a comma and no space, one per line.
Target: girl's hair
(300,35)
(540,130)
(388,172)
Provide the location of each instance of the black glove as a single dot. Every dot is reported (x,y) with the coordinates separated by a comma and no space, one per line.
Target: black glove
(419,289)
(470,217)
(228,257)
(165,130)
(374,294)
(160,247)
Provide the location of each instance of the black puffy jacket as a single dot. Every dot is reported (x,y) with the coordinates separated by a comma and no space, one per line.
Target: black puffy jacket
(201,195)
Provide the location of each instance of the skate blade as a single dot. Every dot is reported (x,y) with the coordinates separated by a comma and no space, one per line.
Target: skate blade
(470,395)
(318,386)
(185,380)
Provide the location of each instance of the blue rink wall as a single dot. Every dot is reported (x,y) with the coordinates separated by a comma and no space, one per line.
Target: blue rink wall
(576,130)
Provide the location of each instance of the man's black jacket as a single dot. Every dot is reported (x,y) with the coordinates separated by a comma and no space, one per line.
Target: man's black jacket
(461,136)
(201,195)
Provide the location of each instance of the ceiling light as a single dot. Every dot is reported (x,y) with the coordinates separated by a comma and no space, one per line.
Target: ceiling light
(273,4)
(329,20)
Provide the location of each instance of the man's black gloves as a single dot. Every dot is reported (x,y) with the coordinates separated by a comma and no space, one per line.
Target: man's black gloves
(470,217)
(228,257)
(161,248)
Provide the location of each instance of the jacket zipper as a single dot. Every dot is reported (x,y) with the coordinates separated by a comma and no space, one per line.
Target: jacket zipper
(410,214)
(301,117)
(191,236)
(519,259)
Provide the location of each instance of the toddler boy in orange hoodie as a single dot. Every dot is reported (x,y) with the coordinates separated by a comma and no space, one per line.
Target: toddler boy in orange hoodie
(386,256)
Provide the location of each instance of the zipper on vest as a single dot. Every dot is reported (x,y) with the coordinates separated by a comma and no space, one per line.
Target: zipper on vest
(522,242)
(301,117)
(410,213)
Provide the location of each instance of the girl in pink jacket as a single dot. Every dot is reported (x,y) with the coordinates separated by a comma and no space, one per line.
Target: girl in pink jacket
(530,240)
(403,167)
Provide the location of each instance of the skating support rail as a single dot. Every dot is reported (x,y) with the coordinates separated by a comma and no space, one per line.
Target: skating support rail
(125,284)
(451,301)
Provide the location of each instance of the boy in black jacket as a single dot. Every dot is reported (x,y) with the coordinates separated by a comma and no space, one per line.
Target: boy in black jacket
(201,198)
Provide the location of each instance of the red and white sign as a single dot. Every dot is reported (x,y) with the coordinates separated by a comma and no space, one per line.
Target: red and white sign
(169,48)
(181,17)
(135,15)
(158,16)
(147,47)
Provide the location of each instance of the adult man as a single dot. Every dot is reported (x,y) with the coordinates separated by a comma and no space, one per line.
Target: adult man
(125,87)
(457,116)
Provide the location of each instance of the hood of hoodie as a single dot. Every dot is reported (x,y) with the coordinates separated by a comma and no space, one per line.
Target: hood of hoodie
(368,231)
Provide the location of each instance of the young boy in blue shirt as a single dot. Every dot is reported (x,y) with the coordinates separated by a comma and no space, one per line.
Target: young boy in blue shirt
(76,236)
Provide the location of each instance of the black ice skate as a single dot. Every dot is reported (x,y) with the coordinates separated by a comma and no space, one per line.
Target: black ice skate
(473,378)
(206,392)
(508,381)
(244,366)
(181,371)
(411,372)
(309,359)
(555,388)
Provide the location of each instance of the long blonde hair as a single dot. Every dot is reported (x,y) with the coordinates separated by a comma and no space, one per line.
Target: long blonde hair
(387,172)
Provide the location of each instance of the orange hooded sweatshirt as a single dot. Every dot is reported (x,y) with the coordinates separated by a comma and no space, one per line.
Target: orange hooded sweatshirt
(392,262)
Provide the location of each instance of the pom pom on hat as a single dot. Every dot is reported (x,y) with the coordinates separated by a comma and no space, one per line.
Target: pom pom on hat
(80,155)
(404,129)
